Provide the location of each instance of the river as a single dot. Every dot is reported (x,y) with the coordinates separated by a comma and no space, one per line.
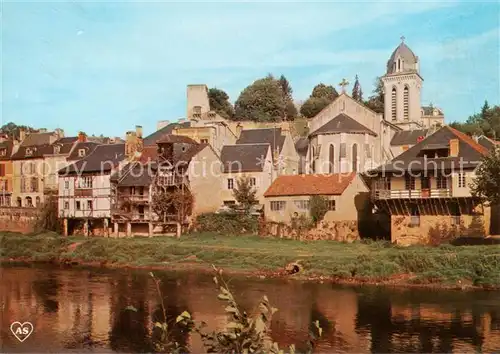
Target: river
(83,309)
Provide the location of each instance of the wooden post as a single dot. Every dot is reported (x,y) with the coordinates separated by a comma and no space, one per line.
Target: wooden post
(129,229)
(151,226)
(65,226)
(116,233)
(106,227)
(178,234)
(86,228)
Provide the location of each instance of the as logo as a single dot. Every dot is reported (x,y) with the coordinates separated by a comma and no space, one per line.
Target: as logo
(21,330)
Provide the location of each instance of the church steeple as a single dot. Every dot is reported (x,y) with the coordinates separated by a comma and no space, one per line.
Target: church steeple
(402,85)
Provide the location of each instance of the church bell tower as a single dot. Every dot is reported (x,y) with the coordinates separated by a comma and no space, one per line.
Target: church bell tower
(402,85)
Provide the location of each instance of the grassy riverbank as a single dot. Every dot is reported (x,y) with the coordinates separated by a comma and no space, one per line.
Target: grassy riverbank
(447,266)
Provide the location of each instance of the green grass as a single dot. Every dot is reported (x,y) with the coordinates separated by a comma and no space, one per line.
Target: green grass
(376,261)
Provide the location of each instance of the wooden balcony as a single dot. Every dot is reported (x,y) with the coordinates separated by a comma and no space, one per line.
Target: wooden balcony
(380,194)
(170,180)
(133,197)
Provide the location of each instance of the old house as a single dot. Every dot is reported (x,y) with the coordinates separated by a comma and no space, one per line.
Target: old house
(31,171)
(6,173)
(426,189)
(253,161)
(289,196)
(85,190)
(405,139)
(284,155)
(175,163)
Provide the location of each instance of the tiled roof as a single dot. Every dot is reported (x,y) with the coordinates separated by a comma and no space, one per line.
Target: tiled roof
(171,138)
(89,147)
(103,159)
(408,137)
(469,154)
(244,158)
(157,135)
(7,145)
(271,136)
(33,139)
(343,124)
(67,140)
(319,184)
(487,142)
(37,151)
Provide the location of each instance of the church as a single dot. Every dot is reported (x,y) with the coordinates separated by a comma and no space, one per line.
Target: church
(346,136)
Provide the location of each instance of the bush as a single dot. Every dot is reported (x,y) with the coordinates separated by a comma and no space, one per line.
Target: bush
(227,223)
(319,207)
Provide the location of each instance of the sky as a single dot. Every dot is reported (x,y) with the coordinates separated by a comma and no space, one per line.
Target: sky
(104,67)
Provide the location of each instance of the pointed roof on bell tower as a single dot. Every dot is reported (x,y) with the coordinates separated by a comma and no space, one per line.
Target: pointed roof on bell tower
(402,59)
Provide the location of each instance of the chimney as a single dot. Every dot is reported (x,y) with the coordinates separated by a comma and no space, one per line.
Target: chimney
(138,131)
(22,134)
(454,147)
(82,137)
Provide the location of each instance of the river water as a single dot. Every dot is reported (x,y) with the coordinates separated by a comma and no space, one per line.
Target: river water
(78,309)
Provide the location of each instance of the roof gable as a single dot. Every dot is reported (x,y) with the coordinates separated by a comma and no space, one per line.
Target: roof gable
(319,184)
(342,123)
(103,159)
(271,136)
(244,158)
(469,155)
(88,148)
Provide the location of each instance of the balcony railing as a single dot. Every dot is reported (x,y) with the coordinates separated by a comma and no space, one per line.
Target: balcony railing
(410,194)
(133,197)
(170,180)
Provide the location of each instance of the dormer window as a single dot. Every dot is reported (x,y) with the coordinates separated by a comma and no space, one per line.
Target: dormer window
(29,152)
(81,152)
(3,152)
(57,149)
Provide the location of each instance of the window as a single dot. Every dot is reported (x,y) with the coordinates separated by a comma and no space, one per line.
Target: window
(89,205)
(204,141)
(66,184)
(230,183)
(331,204)
(441,182)
(78,205)
(57,149)
(355,157)
(29,202)
(406,100)
(29,152)
(331,158)
(368,151)
(425,182)
(3,185)
(253,182)
(409,182)
(2,170)
(302,204)
(19,202)
(85,182)
(66,205)
(461,180)
(37,201)
(229,202)
(278,205)
(81,152)
(393,104)
(34,184)
(3,152)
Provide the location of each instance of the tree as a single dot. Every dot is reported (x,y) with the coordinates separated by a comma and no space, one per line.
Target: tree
(12,129)
(290,111)
(177,202)
(376,101)
(321,96)
(262,101)
(318,207)
(486,185)
(487,122)
(219,102)
(357,93)
(245,193)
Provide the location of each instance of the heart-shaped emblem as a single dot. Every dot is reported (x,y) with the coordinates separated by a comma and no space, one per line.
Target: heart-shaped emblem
(21,330)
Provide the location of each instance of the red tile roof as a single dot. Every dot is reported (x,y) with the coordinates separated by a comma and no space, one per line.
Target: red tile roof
(468,140)
(324,184)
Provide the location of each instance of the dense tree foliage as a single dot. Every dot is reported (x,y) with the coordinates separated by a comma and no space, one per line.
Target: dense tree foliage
(376,101)
(290,111)
(12,129)
(486,185)
(321,96)
(318,207)
(219,102)
(357,92)
(487,122)
(262,101)
(245,193)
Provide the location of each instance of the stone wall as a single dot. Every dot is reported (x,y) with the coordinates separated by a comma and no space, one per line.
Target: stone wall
(343,231)
(14,219)
(435,229)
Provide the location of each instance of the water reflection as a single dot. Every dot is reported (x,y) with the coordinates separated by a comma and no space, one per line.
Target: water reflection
(82,309)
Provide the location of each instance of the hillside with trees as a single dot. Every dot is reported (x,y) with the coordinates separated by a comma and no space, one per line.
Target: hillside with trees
(486,122)
(321,96)
(12,129)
